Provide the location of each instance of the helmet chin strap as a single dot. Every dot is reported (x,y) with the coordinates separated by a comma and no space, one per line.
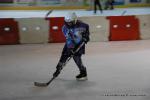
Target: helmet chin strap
(75,21)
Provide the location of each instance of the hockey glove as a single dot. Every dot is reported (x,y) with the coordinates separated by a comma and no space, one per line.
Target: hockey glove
(85,40)
(71,52)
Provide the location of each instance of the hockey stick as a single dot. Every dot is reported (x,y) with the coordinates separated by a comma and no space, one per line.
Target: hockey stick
(48,13)
(47,83)
(123,13)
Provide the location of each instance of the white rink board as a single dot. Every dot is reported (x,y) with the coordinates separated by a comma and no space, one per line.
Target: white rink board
(144,21)
(98,26)
(33,30)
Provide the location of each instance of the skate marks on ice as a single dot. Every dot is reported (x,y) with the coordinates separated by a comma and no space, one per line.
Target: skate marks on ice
(71,90)
(67,89)
(116,71)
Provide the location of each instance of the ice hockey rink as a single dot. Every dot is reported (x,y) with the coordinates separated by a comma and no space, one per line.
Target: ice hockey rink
(117,70)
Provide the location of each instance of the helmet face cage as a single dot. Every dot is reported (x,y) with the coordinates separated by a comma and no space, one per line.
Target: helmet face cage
(71,19)
(70,24)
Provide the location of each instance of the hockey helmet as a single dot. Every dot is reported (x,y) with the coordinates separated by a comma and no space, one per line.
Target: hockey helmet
(71,19)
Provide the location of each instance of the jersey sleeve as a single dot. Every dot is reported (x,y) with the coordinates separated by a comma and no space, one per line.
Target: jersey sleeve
(86,34)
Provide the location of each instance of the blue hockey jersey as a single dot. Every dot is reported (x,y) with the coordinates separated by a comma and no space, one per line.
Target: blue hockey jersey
(75,34)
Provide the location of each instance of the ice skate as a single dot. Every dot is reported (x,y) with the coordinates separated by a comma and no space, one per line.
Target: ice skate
(82,76)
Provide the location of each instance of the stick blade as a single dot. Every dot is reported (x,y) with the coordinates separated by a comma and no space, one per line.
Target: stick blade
(40,84)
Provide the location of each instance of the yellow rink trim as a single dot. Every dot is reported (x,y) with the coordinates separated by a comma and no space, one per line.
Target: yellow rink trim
(64,7)
(42,7)
(132,5)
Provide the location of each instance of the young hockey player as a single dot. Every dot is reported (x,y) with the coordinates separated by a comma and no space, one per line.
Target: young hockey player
(75,32)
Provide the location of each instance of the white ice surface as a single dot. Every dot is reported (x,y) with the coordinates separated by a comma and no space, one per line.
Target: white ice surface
(116,71)
(62,13)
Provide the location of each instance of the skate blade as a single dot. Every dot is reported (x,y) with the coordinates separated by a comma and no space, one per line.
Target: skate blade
(82,79)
